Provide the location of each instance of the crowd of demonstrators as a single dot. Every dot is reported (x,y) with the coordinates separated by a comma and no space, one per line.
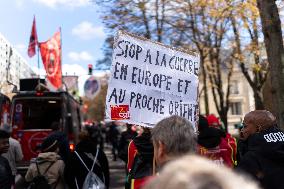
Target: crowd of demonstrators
(14,153)
(48,164)
(6,177)
(140,159)
(262,149)
(97,132)
(113,136)
(214,144)
(194,172)
(166,149)
(81,161)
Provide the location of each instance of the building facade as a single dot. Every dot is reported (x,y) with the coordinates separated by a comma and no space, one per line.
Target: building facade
(12,66)
(241,100)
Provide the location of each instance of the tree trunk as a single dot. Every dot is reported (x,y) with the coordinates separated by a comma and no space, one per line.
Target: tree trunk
(271,28)
(224,118)
(258,100)
(206,105)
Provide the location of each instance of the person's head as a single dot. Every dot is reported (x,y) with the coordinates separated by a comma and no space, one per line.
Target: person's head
(50,144)
(128,126)
(7,128)
(213,121)
(257,121)
(4,141)
(172,137)
(202,123)
(194,172)
(84,135)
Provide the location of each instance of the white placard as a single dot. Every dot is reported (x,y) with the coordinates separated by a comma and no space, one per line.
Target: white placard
(150,81)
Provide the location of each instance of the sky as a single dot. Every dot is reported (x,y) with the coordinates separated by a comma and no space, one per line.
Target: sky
(82,30)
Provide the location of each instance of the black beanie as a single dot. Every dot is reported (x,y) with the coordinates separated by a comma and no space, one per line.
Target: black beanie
(203,123)
(49,144)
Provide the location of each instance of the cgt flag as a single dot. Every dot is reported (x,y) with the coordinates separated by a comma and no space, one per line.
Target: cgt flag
(33,40)
(51,57)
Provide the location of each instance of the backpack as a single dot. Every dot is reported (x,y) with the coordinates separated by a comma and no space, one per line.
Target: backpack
(40,181)
(92,181)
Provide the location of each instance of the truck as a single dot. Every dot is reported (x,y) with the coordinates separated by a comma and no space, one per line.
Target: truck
(34,109)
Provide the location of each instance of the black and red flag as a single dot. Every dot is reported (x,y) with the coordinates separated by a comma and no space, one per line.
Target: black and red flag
(33,40)
(51,58)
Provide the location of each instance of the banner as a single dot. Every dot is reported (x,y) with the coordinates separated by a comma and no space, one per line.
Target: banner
(150,81)
(71,82)
(33,40)
(92,87)
(51,57)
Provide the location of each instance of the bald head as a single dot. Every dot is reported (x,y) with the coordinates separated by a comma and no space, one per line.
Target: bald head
(257,121)
(262,119)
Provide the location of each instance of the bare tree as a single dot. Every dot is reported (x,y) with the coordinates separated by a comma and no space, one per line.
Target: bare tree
(206,28)
(245,19)
(271,28)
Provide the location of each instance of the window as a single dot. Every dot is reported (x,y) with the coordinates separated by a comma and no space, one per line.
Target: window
(236,108)
(234,87)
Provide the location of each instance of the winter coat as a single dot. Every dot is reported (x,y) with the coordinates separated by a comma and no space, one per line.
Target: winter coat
(6,177)
(215,145)
(142,147)
(75,168)
(264,159)
(124,141)
(54,174)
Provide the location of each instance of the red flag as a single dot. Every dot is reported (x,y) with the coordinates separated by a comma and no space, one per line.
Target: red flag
(33,40)
(51,57)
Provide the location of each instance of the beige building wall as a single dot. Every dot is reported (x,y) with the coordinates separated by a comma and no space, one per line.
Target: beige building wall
(19,67)
(241,99)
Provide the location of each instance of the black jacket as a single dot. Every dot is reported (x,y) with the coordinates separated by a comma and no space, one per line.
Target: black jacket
(264,159)
(75,169)
(145,146)
(6,177)
(124,141)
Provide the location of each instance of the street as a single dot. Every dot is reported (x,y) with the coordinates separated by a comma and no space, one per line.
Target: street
(117,173)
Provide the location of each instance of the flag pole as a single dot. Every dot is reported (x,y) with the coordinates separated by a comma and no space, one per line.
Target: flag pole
(60,30)
(38,66)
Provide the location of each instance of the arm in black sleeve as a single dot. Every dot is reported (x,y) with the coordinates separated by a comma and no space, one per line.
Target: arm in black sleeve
(249,164)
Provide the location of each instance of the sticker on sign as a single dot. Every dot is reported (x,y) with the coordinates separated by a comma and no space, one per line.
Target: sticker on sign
(120,112)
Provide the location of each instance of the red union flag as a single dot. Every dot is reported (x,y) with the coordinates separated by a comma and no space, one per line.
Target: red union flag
(33,40)
(51,57)
(120,112)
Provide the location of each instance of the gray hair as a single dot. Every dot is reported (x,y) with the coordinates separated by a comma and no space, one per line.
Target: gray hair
(177,134)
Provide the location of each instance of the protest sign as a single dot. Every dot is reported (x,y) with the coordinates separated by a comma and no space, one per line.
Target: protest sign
(150,81)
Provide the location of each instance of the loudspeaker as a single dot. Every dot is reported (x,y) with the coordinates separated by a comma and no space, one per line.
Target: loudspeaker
(30,84)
